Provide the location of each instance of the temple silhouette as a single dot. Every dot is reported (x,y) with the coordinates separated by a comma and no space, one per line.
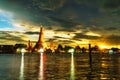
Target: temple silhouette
(29,47)
(40,42)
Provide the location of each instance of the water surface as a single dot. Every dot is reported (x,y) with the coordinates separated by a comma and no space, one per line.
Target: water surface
(59,67)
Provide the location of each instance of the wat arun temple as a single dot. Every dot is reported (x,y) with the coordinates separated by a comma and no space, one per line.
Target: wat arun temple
(39,44)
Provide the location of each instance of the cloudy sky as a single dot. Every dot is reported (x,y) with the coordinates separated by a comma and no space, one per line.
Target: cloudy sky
(66,22)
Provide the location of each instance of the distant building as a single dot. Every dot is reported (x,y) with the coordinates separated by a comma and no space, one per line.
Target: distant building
(7,49)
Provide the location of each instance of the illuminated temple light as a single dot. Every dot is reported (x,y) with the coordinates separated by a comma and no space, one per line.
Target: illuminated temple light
(41,50)
(22,50)
(71,50)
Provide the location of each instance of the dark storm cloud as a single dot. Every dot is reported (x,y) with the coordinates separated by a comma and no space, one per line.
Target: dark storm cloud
(99,16)
(108,4)
(58,41)
(64,22)
(95,28)
(101,29)
(48,4)
(58,37)
(31,33)
(7,36)
(68,12)
(111,28)
(113,39)
(112,4)
(38,11)
(66,41)
(83,36)
(117,37)
(24,10)
(49,40)
(66,30)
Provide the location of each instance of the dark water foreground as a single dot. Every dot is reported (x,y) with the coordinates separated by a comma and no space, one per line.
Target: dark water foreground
(59,67)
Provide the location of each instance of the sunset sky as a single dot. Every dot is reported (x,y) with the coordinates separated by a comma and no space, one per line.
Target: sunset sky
(66,22)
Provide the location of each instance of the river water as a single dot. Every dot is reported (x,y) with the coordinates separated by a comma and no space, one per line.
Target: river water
(59,67)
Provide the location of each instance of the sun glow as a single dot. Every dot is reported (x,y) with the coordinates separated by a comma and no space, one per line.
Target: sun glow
(103,46)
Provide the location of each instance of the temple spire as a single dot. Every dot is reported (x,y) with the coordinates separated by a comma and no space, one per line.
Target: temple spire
(40,43)
(29,48)
(41,35)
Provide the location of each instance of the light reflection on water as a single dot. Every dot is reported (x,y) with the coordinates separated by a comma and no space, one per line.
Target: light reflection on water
(41,67)
(22,68)
(72,70)
(59,67)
